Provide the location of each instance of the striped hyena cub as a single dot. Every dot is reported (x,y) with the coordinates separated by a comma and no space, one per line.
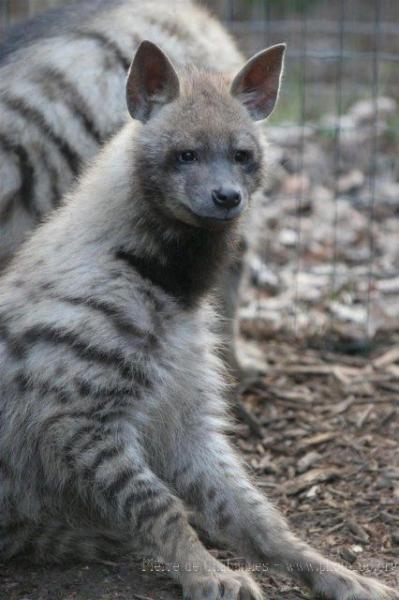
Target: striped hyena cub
(112,395)
(62,81)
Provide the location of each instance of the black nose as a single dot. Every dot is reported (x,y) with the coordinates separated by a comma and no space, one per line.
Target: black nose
(226,197)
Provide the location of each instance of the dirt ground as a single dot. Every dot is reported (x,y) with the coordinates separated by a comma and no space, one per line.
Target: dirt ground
(325,450)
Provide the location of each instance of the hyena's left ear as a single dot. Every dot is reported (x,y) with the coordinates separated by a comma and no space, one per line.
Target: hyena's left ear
(151,82)
(257,85)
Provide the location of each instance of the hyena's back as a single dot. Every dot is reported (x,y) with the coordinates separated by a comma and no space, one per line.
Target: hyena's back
(61,93)
(49,24)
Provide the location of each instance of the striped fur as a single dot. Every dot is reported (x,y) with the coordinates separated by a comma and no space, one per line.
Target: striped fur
(61,93)
(112,406)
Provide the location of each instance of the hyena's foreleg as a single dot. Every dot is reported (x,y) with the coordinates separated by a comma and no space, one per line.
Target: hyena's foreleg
(112,476)
(228,294)
(230,508)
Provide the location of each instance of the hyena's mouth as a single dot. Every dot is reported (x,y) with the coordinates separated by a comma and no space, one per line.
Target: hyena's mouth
(213,216)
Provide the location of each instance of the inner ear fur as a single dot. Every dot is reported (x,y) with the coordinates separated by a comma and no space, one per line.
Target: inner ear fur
(257,84)
(152,82)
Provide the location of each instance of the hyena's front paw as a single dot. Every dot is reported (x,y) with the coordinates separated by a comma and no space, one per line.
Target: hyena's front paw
(228,585)
(341,584)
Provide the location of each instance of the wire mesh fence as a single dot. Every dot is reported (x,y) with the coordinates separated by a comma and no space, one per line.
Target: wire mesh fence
(328,243)
(325,257)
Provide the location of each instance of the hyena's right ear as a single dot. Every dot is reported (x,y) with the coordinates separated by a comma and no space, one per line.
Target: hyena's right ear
(151,82)
(257,85)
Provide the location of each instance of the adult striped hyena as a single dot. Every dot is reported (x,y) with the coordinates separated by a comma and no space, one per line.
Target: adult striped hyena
(62,78)
(112,394)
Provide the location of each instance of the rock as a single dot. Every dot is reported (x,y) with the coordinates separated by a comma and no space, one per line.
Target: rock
(365,111)
(312,493)
(355,314)
(351,182)
(309,286)
(289,135)
(389,286)
(288,238)
(343,123)
(388,191)
(316,163)
(263,277)
(250,357)
(291,206)
(356,145)
(348,555)
(322,194)
(296,185)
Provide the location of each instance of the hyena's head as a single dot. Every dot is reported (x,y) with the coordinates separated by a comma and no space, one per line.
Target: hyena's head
(199,153)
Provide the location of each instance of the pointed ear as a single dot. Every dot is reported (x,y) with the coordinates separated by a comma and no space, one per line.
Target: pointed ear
(257,85)
(151,82)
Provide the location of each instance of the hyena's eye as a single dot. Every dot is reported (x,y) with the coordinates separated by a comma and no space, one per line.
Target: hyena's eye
(187,156)
(242,156)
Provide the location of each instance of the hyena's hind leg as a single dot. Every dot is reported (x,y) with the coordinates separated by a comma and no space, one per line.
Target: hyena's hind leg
(14,538)
(229,294)
(14,531)
(56,541)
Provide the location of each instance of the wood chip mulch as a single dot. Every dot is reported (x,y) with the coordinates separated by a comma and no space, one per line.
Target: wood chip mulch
(325,450)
